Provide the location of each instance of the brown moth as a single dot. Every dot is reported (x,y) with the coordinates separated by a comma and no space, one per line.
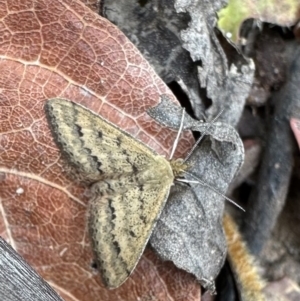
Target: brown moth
(131,184)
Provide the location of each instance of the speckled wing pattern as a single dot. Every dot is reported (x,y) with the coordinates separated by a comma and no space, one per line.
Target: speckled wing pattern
(131,185)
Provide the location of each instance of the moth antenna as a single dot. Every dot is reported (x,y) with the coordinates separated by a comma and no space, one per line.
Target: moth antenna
(203,183)
(202,136)
(178,134)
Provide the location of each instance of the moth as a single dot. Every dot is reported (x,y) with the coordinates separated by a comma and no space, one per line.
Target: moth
(131,184)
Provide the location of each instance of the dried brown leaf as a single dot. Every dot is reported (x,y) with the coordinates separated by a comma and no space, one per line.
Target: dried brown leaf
(62,49)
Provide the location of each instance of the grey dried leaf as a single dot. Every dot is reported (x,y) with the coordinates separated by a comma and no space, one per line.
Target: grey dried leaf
(226,87)
(189,231)
(178,39)
(19,281)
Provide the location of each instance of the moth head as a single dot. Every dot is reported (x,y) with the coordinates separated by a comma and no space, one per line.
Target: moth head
(179,167)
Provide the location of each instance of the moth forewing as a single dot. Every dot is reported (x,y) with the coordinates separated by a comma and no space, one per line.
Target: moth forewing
(121,224)
(131,184)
